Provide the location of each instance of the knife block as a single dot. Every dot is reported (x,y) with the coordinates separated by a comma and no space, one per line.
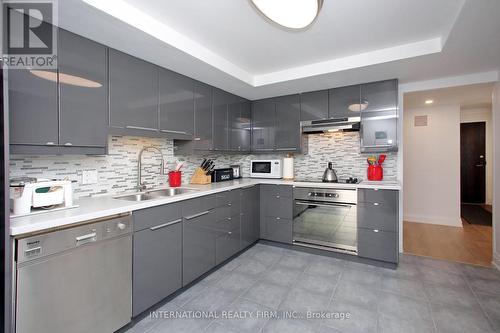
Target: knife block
(199,177)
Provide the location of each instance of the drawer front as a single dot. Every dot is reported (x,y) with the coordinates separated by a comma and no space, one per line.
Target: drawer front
(378,216)
(198,205)
(379,245)
(151,217)
(222,212)
(285,191)
(387,197)
(227,224)
(279,229)
(226,245)
(279,207)
(227,197)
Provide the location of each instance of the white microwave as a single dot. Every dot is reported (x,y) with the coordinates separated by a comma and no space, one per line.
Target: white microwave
(266,169)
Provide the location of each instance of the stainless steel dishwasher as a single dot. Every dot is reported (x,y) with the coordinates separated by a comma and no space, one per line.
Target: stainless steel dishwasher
(75,280)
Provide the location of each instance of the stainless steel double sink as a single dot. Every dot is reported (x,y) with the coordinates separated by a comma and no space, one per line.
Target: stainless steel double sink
(155,194)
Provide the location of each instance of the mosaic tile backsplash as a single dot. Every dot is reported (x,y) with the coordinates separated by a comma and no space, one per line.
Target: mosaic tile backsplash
(117,171)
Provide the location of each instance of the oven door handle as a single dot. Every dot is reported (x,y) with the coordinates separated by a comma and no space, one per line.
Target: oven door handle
(314,203)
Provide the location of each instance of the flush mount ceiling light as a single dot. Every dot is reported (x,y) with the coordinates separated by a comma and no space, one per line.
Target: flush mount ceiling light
(292,14)
(429,101)
(66,79)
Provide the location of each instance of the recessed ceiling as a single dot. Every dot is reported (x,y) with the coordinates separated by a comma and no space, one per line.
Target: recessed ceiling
(477,95)
(228,44)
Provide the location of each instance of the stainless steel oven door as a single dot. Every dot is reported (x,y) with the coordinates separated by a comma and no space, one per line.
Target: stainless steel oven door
(330,225)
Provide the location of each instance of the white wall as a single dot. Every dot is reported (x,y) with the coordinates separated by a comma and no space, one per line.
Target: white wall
(431,168)
(471,115)
(496,176)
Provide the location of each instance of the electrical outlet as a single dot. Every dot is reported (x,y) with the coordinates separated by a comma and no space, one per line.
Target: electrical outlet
(89,177)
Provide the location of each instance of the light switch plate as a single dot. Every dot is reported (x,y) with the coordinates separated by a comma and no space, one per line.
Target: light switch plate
(89,177)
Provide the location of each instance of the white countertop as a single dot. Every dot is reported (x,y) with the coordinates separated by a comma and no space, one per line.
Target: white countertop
(101,206)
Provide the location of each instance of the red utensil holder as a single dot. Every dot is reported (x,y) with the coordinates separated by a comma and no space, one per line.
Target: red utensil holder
(375,172)
(174,178)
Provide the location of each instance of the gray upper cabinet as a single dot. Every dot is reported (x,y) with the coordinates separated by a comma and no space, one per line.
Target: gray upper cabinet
(84,104)
(202,116)
(133,93)
(221,102)
(176,104)
(379,121)
(344,102)
(287,123)
(263,124)
(314,105)
(239,123)
(33,113)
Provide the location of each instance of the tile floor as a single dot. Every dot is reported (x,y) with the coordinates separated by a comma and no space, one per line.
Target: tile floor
(422,295)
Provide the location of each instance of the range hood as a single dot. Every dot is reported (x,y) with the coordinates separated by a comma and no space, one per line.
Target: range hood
(330,125)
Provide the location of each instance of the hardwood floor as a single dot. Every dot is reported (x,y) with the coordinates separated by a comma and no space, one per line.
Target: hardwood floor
(471,244)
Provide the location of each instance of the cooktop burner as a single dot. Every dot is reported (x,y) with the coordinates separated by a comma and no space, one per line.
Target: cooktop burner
(349,180)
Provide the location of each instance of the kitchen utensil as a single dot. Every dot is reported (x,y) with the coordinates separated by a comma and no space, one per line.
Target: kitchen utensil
(179,166)
(381,159)
(330,176)
(174,178)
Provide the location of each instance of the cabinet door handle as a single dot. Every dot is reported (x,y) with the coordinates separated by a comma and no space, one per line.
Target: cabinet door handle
(165,225)
(87,237)
(229,204)
(375,230)
(142,128)
(277,197)
(50,143)
(229,233)
(294,148)
(197,215)
(376,204)
(175,132)
(68,144)
(229,219)
(278,218)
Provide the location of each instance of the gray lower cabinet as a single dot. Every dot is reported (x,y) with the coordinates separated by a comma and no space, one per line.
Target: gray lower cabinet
(157,255)
(288,136)
(227,225)
(379,121)
(198,238)
(133,93)
(378,224)
(276,214)
(83,106)
(176,104)
(250,215)
(314,105)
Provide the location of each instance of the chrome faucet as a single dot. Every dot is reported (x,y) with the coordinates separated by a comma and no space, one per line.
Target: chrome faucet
(140,185)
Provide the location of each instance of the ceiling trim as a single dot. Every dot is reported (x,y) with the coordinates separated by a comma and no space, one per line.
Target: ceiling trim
(134,17)
(380,56)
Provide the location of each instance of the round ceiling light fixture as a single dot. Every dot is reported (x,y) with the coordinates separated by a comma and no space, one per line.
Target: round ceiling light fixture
(292,14)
